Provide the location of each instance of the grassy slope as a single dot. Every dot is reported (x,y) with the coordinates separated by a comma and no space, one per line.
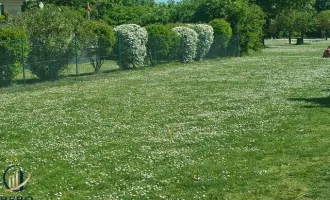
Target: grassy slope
(250,128)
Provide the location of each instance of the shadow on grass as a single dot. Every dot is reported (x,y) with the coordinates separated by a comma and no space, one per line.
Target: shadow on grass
(321,102)
(305,43)
(91,73)
(75,75)
(31,81)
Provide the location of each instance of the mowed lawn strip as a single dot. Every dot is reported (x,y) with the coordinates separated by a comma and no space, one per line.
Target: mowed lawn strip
(253,127)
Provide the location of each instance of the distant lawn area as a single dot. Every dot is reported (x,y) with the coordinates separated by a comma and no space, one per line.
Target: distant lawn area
(254,127)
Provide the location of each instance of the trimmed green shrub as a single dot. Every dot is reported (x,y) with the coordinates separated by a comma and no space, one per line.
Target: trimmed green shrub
(29,5)
(250,29)
(205,39)
(188,46)
(6,14)
(51,32)
(222,35)
(221,28)
(163,43)
(12,42)
(2,19)
(101,43)
(247,20)
(131,44)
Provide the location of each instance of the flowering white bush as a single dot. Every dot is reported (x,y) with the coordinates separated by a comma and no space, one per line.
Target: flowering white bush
(189,39)
(205,39)
(132,41)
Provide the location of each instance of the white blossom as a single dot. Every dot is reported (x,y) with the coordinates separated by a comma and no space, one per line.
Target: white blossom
(132,41)
(205,39)
(189,40)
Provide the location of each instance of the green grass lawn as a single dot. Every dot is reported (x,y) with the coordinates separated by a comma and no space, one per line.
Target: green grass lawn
(234,128)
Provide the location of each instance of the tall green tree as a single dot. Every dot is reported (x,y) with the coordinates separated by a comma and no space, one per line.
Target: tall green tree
(296,21)
(274,7)
(209,10)
(285,21)
(73,3)
(250,27)
(184,11)
(77,3)
(304,22)
(324,22)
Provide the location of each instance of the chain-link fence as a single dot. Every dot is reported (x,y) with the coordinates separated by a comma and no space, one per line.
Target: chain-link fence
(35,60)
(221,48)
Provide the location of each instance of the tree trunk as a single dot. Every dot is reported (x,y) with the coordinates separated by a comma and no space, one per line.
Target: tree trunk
(326,34)
(301,39)
(263,41)
(290,38)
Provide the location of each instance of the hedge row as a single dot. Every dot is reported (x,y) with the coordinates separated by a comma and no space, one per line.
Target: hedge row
(182,42)
(53,34)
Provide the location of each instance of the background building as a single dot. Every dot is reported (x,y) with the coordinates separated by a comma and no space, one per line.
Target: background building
(12,6)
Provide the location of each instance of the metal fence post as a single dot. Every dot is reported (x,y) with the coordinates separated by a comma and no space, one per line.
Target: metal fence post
(155,44)
(76,52)
(238,45)
(119,50)
(22,59)
(183,51)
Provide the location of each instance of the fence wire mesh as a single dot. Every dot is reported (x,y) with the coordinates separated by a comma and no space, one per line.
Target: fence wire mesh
(33,60)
